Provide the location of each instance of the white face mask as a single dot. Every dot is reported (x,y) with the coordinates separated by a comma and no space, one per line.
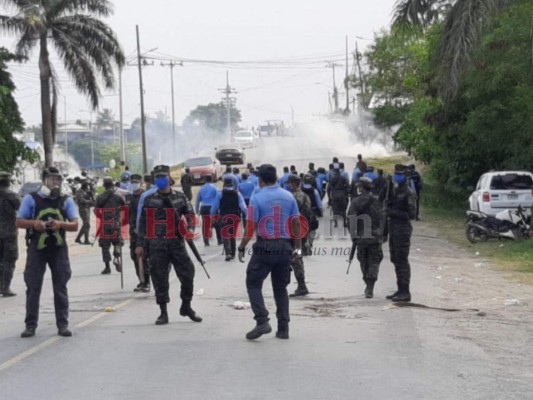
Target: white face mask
(135,187)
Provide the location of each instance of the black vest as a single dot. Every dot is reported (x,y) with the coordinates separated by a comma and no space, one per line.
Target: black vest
(229,203)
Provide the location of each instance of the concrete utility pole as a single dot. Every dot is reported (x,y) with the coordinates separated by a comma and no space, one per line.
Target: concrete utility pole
(332,65)
(347,82)
(227,91)
(121,118)
(143,133)
(358,61)
(172,64)
(65,128)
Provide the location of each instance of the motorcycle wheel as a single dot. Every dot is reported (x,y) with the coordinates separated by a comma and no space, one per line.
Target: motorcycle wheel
(473,235)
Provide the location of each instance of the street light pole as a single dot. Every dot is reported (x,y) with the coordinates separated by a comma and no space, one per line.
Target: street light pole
(143,133)
(121,129)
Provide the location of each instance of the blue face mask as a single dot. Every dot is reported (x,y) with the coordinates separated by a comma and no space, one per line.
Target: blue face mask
(399,178)
(162,182)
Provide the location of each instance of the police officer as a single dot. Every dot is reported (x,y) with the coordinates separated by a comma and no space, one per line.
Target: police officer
(205,199)
(361,164)
(272,250)
(338,189)
(108,213)
(186,183)
(304,208)
(379,184)
(246,188)
(316,208)
(9,205)
(401,210)
(365,219)
(166,246)
(229,174)
(416,180)
(132,201)
(283,180)
(147,178)
(229,205)
(312,169)
(85,201)
(47,215)
(321,182)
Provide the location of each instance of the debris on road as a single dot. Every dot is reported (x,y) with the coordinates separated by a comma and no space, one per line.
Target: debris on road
(109,309)
(241,305)
(512,302)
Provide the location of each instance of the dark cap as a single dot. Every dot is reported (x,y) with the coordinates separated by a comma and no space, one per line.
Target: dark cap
(294,179)
(400,169)
(308,178)
(161,170)
(108,179)
(228,183)
(136,178)
(365,182)
(267,173)
(147,178)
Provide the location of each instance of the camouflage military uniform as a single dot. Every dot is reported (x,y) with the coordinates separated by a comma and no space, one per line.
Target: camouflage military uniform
(9,204)
(186,185)
(108,213)
(338,191)
(364,211)
(84,201)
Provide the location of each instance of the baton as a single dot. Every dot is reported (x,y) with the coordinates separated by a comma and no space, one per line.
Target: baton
(350,260)
(140,263)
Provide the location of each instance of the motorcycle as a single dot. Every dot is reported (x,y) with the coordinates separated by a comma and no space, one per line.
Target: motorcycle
(507,224)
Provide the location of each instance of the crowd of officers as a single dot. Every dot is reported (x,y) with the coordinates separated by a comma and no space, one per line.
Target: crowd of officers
(159,228)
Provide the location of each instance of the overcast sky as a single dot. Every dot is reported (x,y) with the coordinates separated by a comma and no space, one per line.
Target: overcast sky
(302,34)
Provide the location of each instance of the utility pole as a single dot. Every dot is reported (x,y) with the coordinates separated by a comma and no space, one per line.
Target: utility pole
(227,91)
(358,61)
(65,127)
(172,64)
(143,133)
(121,118)
(332,65)
(347,82)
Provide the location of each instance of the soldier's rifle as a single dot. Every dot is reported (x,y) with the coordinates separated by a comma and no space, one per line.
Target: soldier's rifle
(193,248)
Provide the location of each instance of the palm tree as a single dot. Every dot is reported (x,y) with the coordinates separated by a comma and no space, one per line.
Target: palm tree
(87,47)
(463,23)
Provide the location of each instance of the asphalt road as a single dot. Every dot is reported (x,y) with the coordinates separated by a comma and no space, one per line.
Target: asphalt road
(341,346)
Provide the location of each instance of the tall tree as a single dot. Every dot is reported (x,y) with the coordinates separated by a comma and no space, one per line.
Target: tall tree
(463,25)
(86,45)
(10,119)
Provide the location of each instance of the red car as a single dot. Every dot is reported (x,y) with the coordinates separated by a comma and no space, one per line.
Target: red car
(200,167)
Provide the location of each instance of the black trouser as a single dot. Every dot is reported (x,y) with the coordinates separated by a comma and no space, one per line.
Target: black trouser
(170,251)
(208,224)
(9,254)
(58,261)
(86,227)
(269,256)
(228,229)
(133,256)
(399,245)
(105,244)
(370,257)
(417,203)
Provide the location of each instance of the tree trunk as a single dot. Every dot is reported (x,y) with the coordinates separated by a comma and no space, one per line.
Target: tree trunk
(46,108)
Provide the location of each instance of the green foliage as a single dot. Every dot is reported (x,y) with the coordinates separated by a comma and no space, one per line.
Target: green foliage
(213,117)
(10,120)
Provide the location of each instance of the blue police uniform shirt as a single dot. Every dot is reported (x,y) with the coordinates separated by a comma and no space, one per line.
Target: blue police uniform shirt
(246,188)
(320,179)
(233,178)
(317,195)
(329,174)
(371,175)
(216,205)
(254,179)
(345,174)
(271,200)
(256,190)
(284,178)
(144,195)
(27,208)
(206,196)
(356,174)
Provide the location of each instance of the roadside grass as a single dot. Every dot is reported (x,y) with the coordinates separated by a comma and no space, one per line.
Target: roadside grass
(387,163)
(446,210)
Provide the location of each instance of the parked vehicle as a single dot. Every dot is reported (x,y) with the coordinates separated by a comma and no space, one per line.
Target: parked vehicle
(501,190)
(229,154)
(245,139)
(507,224)
(200,167)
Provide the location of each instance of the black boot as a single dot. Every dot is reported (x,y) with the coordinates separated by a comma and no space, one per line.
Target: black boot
(163,318)
(28,332)
(403,294)
(107,269)
(282,332)
(301,290)
(7,292)
(78,238)
(259,330)
(390,296)
(187,311)
(369,290)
